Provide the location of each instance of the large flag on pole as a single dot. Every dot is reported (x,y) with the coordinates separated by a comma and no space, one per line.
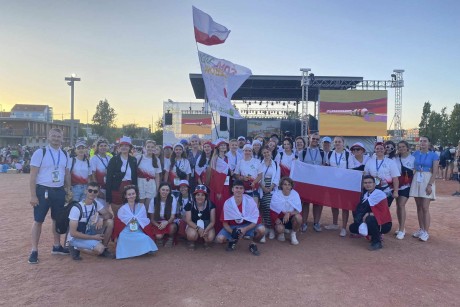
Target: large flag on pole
(207,31)
(327,186)
(222,79)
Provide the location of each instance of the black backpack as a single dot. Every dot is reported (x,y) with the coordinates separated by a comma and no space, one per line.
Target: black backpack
(62,218)
(74,160)
(44,152)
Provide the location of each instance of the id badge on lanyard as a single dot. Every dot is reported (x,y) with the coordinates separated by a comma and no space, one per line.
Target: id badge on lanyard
(227,180)
(55,175)
(133,225)
(200,223)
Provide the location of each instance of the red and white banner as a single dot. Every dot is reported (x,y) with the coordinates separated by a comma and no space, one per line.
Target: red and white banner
(327,186)
(222,79)
(219,176)
(208,32)
(379,206)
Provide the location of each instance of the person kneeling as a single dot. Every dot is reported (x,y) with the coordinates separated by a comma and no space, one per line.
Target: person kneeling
(378,220)
(132,227)
(285,210)
(200,215)
(240,217)
(87,230)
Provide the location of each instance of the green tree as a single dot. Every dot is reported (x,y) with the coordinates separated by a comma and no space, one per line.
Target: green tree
(424,122)
(104,119)
(444,127)
(434,129)
(131,130)
(453,131)
(157,135)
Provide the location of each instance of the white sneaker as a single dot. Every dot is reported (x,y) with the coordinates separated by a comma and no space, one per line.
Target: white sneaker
(331,227)
(417,234)
(262,240)
(304,227)
(281,237)
(271,234)
(317,227)
(343,232)
(396,232)
(424,236)
(401,235)
(294,240)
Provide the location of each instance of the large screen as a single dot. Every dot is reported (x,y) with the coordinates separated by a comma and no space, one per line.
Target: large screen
(353,113)
(263,127)
(196,124)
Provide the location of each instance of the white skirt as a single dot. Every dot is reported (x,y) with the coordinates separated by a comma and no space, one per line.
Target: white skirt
(418,189)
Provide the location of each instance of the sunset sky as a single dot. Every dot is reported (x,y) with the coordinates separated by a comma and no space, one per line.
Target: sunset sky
(137,54)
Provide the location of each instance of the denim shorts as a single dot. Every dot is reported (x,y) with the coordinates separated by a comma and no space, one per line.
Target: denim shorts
(55,201)
(84,244)
(224,233)
(79,192)
(254,193)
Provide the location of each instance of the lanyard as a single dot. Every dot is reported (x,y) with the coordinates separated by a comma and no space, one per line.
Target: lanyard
(56,166)
(106,159)
(378,166)
(178,165)
(316,155)
(266,170)
(90,214)
(337,162)
(420,163)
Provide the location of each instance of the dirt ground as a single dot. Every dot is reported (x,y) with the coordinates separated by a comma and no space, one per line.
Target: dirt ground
(323,270)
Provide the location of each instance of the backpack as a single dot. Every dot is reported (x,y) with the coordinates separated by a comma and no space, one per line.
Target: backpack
(44,152)
(304,153)
(347,155)
(62,218)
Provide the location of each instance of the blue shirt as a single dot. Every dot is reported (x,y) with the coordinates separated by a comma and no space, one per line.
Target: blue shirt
(424,161)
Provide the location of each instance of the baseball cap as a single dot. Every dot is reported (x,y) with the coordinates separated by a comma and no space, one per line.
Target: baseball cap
(327,139)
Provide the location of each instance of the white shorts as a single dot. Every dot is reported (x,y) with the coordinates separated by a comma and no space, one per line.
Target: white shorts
(417,189)
(147,189)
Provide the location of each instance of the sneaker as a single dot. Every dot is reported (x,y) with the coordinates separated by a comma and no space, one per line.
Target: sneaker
(59,250)
(456,194)
(396,232)
(263,239)
(343,232)
(271,234)
(75,253)
(375,246)
(417,234)
(304,227)
(332,227)
(107,254)
(317,227)
(33,258)
(424,236)
(401,235)
(247,237)
(294,240)
(231,246)
(281,237)
(253,249)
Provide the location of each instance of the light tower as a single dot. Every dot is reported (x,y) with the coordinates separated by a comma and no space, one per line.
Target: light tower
(305,82)
(70,81)
(398,84)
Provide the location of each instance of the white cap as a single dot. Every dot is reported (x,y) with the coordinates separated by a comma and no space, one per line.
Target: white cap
(125,140)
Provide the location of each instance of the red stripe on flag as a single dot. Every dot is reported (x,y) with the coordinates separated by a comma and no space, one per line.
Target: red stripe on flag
(205,39)
(326,196)
(382,212)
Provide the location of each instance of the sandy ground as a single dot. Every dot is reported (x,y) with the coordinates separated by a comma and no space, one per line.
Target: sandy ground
(324,270)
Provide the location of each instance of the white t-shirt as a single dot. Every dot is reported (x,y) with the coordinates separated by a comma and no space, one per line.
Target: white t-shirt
(246,168)
(233,160)
(267,171)
(99,168)
(80,172)
(167,163)
(354,163)
(286,159)
(162,208)
(183,165)
(145,168)
(47,167)
(408,162)
(340,159)
(74,214)
(125,166)
(387,169)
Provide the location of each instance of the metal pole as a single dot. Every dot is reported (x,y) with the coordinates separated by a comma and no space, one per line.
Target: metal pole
(71,111)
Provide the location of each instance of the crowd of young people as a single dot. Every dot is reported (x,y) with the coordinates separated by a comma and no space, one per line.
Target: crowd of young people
(207,192)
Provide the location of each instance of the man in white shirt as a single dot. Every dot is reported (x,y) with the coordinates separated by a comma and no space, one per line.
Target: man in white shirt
(47,177)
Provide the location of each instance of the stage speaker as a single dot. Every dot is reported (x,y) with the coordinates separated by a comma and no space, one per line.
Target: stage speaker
(223,123)
(168,119)
(238,127)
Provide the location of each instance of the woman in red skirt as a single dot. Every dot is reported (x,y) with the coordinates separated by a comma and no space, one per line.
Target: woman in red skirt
(162,211)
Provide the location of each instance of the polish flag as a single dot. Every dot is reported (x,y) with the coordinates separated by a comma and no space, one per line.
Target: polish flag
(218,176)
(379,206)
(327,186)
(208,32)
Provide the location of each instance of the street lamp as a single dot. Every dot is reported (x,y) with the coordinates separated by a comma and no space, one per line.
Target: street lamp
(70,81)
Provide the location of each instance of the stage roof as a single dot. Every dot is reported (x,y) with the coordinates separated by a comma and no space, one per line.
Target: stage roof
(285,88)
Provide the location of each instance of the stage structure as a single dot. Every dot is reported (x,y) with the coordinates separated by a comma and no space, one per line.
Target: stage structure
(297,97)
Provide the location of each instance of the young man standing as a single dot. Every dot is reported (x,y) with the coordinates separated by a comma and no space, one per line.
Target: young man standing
(91,226)
(240,217)
(99,163)
(47,177)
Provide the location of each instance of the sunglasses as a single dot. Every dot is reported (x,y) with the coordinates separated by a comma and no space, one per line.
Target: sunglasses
(93,191)
(314,139)
(201,187)
(390,147)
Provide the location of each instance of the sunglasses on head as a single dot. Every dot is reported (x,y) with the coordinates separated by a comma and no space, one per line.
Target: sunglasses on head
(93,191)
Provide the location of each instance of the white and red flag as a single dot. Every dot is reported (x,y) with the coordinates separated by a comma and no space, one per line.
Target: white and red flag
(207,31)
(219,174)
(222,79)
(327,186)
(379,206)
